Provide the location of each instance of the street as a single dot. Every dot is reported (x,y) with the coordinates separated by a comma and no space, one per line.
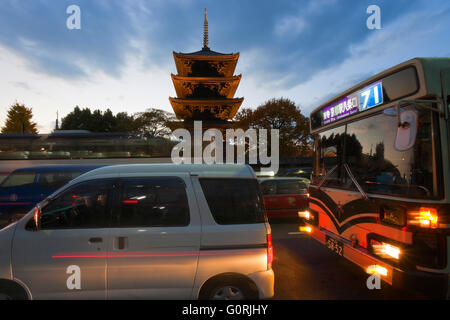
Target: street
(305,269)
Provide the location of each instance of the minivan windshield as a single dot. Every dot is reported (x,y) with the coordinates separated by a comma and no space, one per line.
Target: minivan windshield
(367,146)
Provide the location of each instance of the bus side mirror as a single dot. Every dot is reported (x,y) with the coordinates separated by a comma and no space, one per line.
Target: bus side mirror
(406,131)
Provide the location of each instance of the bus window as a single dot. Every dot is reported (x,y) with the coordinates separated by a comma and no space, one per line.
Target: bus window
(330,148)
(379,167)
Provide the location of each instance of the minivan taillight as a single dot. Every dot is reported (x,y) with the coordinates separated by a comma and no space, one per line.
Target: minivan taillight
(269,252)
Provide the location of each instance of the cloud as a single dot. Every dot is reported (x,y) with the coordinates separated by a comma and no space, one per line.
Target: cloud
(290,25)
(20,84)
(400,40)
(303,50)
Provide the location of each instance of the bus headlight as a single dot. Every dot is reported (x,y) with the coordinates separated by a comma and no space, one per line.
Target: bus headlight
(386,250)
(304,214)
(376,269)
(425,218)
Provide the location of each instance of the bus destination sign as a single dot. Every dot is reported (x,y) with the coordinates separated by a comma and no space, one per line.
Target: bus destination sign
(361,100)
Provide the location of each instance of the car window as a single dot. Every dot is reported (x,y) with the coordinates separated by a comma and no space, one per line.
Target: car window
(234,201)
(55,180)
(268,187)
(291,187)
(82,206)
(19,179)
(152,202)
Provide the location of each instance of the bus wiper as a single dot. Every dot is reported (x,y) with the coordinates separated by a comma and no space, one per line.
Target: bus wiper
(326,176)
(352,177)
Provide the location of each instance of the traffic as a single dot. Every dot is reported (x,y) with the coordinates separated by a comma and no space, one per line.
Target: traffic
(378,196)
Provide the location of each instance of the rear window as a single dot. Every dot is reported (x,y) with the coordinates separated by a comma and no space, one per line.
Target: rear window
(234,201)
(19,179)
(273,187)
(291,187)
(55,180)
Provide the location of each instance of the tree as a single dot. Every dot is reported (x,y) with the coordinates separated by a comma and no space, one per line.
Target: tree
(149,124)
(154,123)
(284,115)
(125,123)
(19,120)
(78,119)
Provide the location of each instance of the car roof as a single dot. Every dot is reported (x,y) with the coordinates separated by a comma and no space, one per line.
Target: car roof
(58,168)
(202,170)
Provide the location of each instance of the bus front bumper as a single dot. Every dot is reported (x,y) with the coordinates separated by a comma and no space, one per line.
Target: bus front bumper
(430,284)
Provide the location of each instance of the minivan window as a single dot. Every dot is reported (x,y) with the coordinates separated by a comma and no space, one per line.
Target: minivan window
(19,179)
(234,201)
(152,202)
(82,206)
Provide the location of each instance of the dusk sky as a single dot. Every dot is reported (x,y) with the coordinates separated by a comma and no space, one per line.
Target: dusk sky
(121,58)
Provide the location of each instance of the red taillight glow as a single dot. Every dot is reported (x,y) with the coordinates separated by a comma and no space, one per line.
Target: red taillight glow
(425,217)
(130,201)
(269,251)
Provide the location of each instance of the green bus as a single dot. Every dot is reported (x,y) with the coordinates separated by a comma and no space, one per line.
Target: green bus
(380,191)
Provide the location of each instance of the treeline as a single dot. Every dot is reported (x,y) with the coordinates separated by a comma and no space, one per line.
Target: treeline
(282,114)
(150,123)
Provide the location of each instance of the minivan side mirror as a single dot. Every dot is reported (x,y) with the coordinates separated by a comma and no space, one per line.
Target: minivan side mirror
(406,131)
(34,224)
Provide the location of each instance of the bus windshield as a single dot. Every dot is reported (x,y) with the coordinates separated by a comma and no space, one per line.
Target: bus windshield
(367,146)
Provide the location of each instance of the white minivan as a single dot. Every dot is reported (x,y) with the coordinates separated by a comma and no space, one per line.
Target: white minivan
(152,231)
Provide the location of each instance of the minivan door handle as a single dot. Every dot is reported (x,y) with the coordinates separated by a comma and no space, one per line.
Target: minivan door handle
(95,240)
(121,243)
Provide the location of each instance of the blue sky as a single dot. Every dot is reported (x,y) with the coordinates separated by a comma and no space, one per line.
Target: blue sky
(305,50)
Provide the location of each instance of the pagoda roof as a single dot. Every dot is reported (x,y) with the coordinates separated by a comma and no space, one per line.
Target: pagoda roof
(206,55)
(223,109)
(206,52)
(222,86)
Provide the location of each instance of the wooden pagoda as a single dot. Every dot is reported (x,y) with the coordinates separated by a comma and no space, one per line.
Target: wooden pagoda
(205,86)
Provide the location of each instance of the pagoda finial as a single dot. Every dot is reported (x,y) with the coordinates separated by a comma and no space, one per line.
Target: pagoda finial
(205,33)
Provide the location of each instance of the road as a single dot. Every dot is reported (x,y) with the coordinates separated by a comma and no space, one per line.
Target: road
(305,269)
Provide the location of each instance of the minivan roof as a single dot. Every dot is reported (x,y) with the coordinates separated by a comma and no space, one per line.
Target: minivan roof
(203,170)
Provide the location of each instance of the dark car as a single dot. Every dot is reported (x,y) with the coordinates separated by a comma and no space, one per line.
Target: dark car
(284,197)
(23,188)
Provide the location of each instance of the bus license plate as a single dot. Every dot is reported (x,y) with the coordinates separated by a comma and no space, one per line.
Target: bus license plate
(335,245)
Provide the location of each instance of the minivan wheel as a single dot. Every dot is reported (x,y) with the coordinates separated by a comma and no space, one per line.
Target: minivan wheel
(229,288)
(227,293)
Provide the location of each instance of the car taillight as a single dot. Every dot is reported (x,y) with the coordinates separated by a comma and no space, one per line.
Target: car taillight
(425,218)
(269,252)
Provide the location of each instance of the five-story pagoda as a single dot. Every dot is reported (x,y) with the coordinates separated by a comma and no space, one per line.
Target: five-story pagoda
(205,86)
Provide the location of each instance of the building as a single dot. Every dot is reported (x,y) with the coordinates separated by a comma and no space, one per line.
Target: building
(205,86)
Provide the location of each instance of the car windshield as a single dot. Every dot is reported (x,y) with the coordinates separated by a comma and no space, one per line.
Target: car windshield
(367,146)
(19,179)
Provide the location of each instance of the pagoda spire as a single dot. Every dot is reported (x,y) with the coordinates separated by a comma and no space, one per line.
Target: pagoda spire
(205,33)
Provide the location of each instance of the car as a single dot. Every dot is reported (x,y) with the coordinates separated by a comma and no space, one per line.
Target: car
(24,187)
(156,231)
(285,197)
